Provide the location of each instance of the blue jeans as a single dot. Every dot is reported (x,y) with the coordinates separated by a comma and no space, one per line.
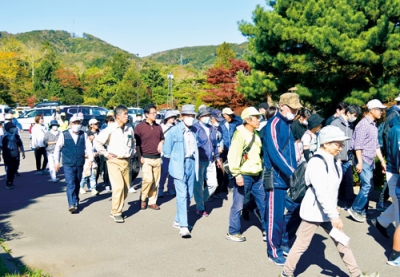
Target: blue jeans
(360,204)
(184,192)
(163,178)
(254,185)
(73,176)
(89,180)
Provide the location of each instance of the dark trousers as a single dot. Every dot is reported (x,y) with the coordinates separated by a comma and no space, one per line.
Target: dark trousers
(73,177)
(11,165)
(39,152)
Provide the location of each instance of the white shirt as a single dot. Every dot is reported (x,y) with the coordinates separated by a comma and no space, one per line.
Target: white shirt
(38,132)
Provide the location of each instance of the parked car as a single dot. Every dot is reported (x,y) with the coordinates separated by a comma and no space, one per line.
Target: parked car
(29,117)
(48,104)
(134,111)
(3,110)
(88,112)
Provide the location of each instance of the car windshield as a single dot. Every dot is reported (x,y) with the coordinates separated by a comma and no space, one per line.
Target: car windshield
(135,111)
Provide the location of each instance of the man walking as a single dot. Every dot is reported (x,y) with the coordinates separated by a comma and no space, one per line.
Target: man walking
(120,142)
(181,149)
(206,137)
(245,165)
(149,142)
(345,123)
(365,144)
(73,145)
(280,156)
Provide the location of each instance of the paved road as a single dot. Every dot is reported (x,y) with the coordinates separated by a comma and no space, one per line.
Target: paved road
(44,235)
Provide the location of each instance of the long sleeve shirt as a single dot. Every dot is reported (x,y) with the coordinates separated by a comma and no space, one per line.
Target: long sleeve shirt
(38,132)
(252,165)
(365,138)
(120,141)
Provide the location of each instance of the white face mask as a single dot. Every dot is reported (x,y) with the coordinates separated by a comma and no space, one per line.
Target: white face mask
(216,124)
(75,128)
(54,128)
(290,116)
(352,118)
(188,121)
(305,122)
(205,119)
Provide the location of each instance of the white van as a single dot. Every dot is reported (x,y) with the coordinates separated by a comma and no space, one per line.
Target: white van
(3,110)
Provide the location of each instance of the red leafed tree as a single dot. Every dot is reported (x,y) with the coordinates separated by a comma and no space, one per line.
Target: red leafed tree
(222,92)
(67,79)
(31,101)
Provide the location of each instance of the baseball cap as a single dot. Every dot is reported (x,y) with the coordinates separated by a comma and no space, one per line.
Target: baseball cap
(93,121)
(217,115)
(331,133)
(227,111)
(8,116)
(74,118)
(249,112)
(375,103)
(290,99)
(263,105)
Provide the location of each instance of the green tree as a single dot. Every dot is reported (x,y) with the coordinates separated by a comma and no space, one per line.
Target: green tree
(334,50)
(256,86)
(224,55)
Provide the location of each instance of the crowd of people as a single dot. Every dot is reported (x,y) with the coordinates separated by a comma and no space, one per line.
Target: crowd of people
(205,153)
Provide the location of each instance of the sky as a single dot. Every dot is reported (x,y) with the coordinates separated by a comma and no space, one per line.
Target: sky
(140,27)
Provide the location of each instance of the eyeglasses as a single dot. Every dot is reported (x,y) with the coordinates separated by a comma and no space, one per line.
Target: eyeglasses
(338,144)
(153,113)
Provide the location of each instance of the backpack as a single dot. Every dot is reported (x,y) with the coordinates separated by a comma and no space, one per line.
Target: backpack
(298,186)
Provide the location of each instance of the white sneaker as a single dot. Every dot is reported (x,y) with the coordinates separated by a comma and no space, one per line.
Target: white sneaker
(94,192)
(176,225)
(82,191)
(132,190)
(108,188)
(184,232)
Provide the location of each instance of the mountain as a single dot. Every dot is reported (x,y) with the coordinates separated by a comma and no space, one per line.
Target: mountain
(200,57)
(88,51)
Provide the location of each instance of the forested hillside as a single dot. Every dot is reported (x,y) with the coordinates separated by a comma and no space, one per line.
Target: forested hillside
(201,57)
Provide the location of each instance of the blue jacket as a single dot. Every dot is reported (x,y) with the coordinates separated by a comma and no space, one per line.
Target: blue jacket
(174,150)
(228,134)
(393,146)
(278,150)
(208,148)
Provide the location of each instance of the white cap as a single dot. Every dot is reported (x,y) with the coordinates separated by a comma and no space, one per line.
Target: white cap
(93,121)
(375,103)
(8,116)
(74,118)
(397,98)
(331,133)
(227,111)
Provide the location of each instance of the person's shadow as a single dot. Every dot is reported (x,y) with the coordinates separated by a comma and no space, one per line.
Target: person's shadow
(315,255)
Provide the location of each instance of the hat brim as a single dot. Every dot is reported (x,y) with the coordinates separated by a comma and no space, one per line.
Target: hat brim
(188,113)
(338,138)
(296,106)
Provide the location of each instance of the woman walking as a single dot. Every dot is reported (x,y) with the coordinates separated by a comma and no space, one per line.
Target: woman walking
(38,131)
(50,140)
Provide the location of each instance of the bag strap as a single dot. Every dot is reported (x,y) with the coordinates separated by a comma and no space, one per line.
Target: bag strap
(247,149)
(326,165)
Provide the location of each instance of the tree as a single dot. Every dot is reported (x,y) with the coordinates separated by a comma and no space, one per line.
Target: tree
(69,88)
(222,86)
(256,86)
(224,55)
(334,50)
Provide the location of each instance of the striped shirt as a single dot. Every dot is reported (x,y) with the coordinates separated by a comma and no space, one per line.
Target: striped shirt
(365,138)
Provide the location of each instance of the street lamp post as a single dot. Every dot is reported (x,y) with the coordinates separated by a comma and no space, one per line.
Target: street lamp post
(137,84)
(170,78)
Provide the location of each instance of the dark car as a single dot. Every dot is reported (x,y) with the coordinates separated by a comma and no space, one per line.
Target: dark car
(88,112)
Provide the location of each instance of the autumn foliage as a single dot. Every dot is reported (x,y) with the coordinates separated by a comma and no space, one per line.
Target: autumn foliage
(223,82)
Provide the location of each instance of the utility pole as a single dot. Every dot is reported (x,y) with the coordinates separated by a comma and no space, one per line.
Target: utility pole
(137,83)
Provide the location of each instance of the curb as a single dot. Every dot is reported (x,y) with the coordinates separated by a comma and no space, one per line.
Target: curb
(8,261)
